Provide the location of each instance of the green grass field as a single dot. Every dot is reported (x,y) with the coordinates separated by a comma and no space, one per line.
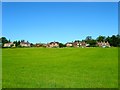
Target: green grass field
(60,68)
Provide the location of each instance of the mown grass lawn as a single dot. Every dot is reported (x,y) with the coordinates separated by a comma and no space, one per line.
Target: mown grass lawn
(60,68)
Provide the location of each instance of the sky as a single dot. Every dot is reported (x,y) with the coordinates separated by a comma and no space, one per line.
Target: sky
(60,0)
(58,21)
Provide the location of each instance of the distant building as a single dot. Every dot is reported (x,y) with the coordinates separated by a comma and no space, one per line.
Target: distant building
(84,44)
(103,44)
(76,44)
(25,44)
(69,44)
(10,44)
(53,44)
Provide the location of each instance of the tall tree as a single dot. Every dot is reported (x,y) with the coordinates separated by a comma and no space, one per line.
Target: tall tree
(100,38)
(88,38)
(115,40)
(108,39)
(17,43)
(9,41)
(118,41)
(3,40)
(61,45)
(90,41)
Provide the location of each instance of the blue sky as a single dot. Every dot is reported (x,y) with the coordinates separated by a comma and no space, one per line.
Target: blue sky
(60,21)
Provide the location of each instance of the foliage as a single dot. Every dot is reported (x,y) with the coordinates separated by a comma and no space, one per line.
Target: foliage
(114,40)
(3,40)
(90,41)
(31,44)
(101,39)
(62,45)
(17,43)
(88,38)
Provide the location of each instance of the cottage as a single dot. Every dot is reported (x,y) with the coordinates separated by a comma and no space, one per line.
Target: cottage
(76,44)
(83,44)
(103,44)
(53,44)
(80,44)
(10,44)
(25,44)
(69,44)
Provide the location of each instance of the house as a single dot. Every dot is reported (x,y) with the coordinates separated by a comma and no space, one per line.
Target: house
(80,44)
(53,44)
(77,44)
(103,44)
(24,44)
(10,44)
(84,44)
(69,44)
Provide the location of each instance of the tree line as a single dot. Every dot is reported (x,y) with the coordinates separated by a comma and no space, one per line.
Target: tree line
(114,41)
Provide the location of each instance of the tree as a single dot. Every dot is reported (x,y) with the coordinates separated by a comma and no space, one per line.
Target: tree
(31,44)
(0,42)
(88,38)
(22,40)
(17,43)
(115,40)
(100,38)
(61,45)
(90,41)
(77,41)
(9,41)
(118,40)
(108,39)
(3,40)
